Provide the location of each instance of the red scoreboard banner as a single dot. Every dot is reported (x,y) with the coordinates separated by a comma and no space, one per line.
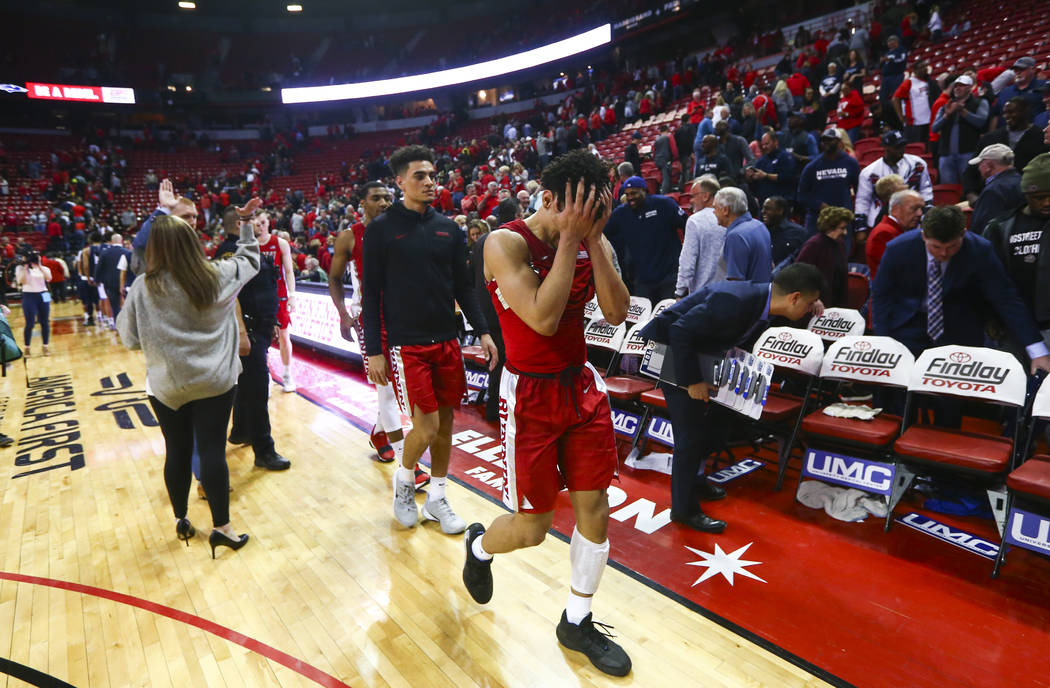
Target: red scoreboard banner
(81,94)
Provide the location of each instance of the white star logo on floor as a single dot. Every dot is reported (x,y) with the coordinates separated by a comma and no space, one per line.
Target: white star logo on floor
(718,562)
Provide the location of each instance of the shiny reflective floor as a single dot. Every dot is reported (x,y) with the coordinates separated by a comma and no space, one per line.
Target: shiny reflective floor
(95,590)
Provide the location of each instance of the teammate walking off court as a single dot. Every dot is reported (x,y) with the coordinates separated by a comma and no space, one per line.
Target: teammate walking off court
(555,420)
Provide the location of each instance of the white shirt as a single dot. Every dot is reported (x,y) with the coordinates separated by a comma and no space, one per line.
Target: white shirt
(868,203)
(919,101)
(33,280)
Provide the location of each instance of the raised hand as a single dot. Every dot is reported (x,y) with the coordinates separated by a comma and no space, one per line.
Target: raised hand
(166,195)
(246,210)
(602,211)
(576,219)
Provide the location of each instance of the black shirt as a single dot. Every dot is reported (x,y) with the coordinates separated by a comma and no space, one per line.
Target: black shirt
(258,298)
(415,270)
(1023,258)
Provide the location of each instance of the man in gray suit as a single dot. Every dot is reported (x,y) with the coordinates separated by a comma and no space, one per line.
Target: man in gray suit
(664,151)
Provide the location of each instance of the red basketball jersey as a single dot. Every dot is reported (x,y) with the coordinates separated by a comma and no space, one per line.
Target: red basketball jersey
(271,251)
(527,350)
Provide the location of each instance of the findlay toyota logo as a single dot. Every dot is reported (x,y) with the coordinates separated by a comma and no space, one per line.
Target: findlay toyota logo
(865,360)
(963,373)
(784,348)
(832,327)
(861,345)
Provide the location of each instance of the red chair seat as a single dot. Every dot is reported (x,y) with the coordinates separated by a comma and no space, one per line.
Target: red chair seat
(968,450)
(627,388)
(880,431)
(781,407)
(1032,477)
(654,397)
(475,355)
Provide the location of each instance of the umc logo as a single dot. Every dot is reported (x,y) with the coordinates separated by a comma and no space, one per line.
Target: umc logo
(735,471)
(660,430)
(477,379)
(625,423)
(870,476)
(943,531)
(1029,530)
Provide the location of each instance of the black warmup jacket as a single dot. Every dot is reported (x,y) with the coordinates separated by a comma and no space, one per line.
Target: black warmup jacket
(415,270)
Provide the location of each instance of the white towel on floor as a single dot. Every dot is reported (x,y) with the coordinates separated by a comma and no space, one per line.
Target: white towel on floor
(842,503)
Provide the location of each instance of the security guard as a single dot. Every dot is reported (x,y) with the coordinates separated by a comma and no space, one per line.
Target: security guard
(258,301)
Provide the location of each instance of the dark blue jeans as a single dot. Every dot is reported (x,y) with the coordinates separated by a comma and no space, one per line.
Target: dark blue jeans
(36,310)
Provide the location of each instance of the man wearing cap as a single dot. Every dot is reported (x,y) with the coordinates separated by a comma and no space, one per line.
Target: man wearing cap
(916,94)
(1002,185)
(960,124)
(1022,241)
(646,227)
(1025,85)
(828,179)
(1024,139)
(911,168)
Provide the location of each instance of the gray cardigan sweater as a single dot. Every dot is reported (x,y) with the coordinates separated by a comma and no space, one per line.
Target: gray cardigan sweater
(190,354)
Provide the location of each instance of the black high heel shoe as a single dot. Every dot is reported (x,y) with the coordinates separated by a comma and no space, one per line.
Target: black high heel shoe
(221,539)
(184,530)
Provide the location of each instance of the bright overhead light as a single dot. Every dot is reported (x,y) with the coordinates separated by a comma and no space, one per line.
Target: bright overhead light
(188,88)
(449,77)
(294,8)
(188,5)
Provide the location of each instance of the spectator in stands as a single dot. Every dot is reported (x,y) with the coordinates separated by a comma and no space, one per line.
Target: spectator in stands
(1002,185)
(313,272)
(935,25)
(1025,85)
(631,153)
(1025,139)
(959,125)
(858,42)
(905,211)
(916,94)
(747,126)
(911,168)
(646,228)
(893,64)
(664,152)
(786,237)
(747,246)
(1043,118)
(695,108)
(827,180)
(827,252)
(1020,239)
(913,273)
(851,111)
(855,66)
(798,141)
(813,115)
(701,261)
(710,160)
(489,200)
(829,88)
(774,173)
(683,138)
(736,150)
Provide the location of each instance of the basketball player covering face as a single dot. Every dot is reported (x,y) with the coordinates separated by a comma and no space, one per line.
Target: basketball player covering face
(556,425)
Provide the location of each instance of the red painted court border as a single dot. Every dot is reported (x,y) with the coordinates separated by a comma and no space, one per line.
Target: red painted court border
(271,653)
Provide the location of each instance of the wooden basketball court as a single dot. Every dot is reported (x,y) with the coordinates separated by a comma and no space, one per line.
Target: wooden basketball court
(95,590)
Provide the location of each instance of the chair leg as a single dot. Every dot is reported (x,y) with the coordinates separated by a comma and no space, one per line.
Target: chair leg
(902,479)
(1000,559)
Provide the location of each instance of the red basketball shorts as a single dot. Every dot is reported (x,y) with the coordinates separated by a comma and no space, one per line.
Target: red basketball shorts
(284,318)
(427,376)
(359,328)
(555,433)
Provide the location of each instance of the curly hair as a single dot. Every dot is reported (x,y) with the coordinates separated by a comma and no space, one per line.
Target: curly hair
(400,159)
(571,168)
(831,217)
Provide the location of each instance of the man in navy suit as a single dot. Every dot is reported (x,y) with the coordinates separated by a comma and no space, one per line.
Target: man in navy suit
(712,321)
(971,281)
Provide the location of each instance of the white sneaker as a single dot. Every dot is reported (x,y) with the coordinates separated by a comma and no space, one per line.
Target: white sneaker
(405,510)
(440,511)
(288,383)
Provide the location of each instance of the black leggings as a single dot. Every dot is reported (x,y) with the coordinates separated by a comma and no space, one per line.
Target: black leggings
(35,309)
(207,420)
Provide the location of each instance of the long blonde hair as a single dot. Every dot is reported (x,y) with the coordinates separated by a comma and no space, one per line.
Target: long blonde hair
(173,249)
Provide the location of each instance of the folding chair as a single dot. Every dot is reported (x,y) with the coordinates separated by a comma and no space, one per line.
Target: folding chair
(591,311)
(626,389)
(1028,494)
(859,453)
(835,323)
(639,311)
(796,353)
(976,374)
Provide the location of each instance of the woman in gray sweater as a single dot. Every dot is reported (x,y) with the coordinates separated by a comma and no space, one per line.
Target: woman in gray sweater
(181,314)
